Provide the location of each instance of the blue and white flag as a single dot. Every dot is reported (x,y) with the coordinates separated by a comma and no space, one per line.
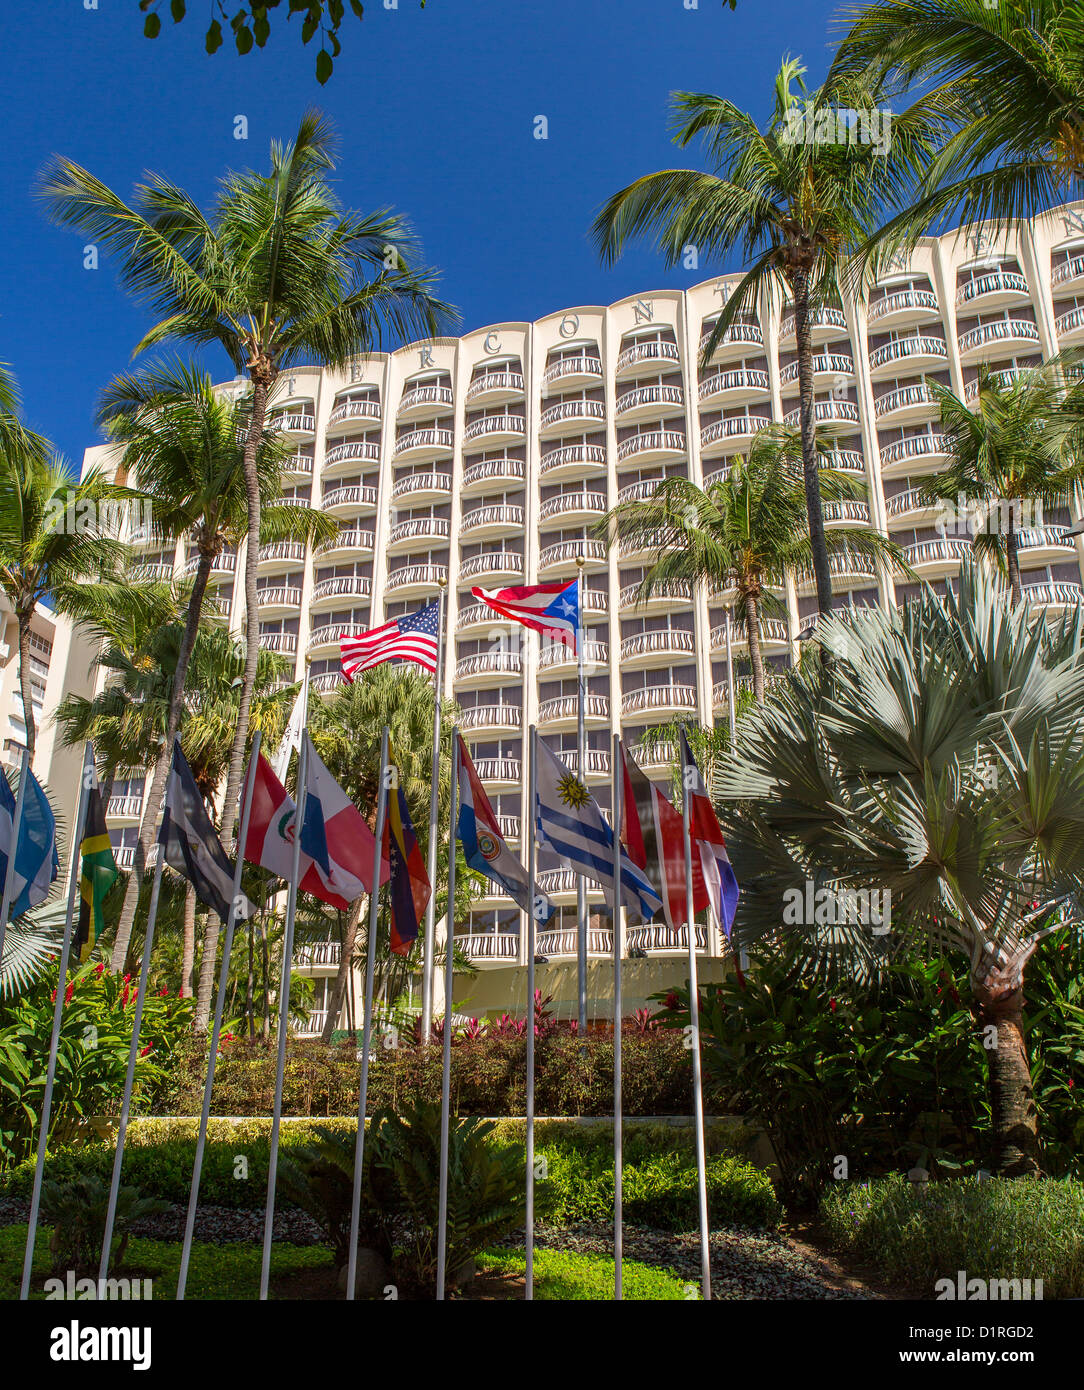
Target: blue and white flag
(36,861)
(570,822)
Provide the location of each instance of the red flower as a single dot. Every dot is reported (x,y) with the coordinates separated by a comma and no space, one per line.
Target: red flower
(124,997)
(99,967)
(144,1050)
(1072,1083)
(163,993)
(671,1000)
(127,978)
(833,1005)
(69,992)
(52,997)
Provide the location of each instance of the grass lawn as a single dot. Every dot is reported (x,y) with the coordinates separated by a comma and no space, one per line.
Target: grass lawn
(233,1271)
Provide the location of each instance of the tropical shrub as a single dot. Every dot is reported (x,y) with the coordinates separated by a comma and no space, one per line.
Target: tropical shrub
(76,1210)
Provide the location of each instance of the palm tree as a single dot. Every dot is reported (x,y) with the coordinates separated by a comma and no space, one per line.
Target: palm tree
(182,440)
(941,760)
(1017,444)
(277,274)
(1005,84)
(794,207)
(743,530)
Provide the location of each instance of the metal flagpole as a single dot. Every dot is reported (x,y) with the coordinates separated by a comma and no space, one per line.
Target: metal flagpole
(16,826)
(129,1079)
(531,858)
(618,788)
(367,1035)
(220,1004)
(429,951)
(446,1068)
(730,684)
(694,1019)
(581,749)
(284,1014)
(58,1010)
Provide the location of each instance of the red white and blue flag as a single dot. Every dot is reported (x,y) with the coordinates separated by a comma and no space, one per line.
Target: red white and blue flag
(413,637)
(410,886)
(706,837)
(654,835)
(552,609)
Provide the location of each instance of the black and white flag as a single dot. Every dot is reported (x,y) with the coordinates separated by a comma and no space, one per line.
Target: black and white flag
(191,844)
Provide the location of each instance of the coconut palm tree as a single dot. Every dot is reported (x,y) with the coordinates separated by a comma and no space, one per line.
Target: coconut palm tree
(744,530)
(276,274)
(183,441)
(942,760)
(1018,443)
(794,206)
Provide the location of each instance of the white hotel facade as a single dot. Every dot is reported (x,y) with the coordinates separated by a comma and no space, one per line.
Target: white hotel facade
(488,459)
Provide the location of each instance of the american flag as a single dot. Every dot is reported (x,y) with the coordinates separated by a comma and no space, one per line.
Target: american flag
(413,637)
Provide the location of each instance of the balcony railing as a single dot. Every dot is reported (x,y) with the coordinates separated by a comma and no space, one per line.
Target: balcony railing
(428,528)
(943,549)
(421,482)
(343,586)
(356,496)
(491,562)
(571,410)
(327,680)
(996,282)
(849,511)
(499,769)
(126,807)
(298,463)
(566,502)
(827,316)
(648,396)
(732,427)
(491,717)
(500,514)
(903,398)
(571,454)
(488,663)
(743,379)
(899,349)
(676,590)
(636,353)
(495,424)
(844,461)
(493,470)
(328,634)
(412,575)
(294,420)
(557,654)
(747,333)
(566,551)
(564,941)
(278,596)
(998,331)
(913,500)
(823,363)
(1058,593)
(354,410)
(825,413)
(488,945)
(667,642)
(1070,322)
(656,697)
(572,366)
(318,953)
(285,643)
(359,450)
(282,550)
(1043,537)
(771,630)
(478,613)
(650,442)
(221,564)
(435,439)
(1072,269)
(899,302)
(347,540)
(565,707)
(654,937)
(494,381)
(913,446)
(426,395)
(844,565)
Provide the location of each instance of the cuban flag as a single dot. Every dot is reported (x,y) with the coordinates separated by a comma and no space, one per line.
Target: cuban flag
(36,861)
(571,823)
(552,609)
(485,848)
(706,838)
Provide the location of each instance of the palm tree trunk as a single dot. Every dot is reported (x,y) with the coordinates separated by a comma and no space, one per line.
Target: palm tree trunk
(26,688)
(814,507)
(250,981)
(1014,1117)
(153,804)
(188,947)
(1012,558)
(342,975)
(756,658)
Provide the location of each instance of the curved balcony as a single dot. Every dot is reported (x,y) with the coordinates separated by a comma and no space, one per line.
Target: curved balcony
(825,413)
(297,466)
(279,599)
(317,953)
(572,506)
(564,941)
(647,648)
(282,643)
(997,289)
(483,666)
(913,507)
(594,600)
(330,591)
(480,615)
(649,544)
(1003,378)
(717,437)
(638,353)
(657,757)
(564,555)
(327,681)
(825,323)
(573,371)
(672,593)
(557,656)
(639,492)
(773,633)
(556,417)
(919,351)
(358,496)
(652,446)
(904,454)
(1054,595)
(658,701)
(221,566)
(843,461)
(850,570)
(562,712)
(422,487)
(736,387)
(151,573)
(490,718)
(905,403)
(496,429)
(903,306)
(345,413)
(660,940)
(280,553)
(495,387)
(354,451)
(417,444)
(940,555)
(738,335)
(645,402)
(125,807)
(293,422)
(328,636)
(554,883)
(1070,325)
(499,772)
(827,367)
(846,513)
(491,473)
(505,563)
(975,341)
(1068,273)
(348,544)
(498,520)
(487,945)
(405,535)
(415,580)
(424,400)
(572,459)
(1049,544)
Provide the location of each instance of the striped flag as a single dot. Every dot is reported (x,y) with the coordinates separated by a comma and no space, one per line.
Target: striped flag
(36,862)
(654,835)
(190,842)
(552,609)
(413,637)
(570,822)
(97,874)
(706,836)
(409,880)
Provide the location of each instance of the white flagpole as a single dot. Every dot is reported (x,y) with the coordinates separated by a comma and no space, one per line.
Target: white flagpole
(54,1043)
(220,1004)
(366,1042)
(532,855)
(16,826)
(446,1066)
(694,1019)
(429,949)
(618,788)
(284,1015)
(581,747)
(129,1079)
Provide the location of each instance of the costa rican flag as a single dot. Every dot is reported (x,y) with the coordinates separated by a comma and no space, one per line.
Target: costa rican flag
(413,637)
(706,837)
(552,609)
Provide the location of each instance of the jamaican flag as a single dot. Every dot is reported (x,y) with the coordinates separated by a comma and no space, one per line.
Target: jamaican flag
(98,873)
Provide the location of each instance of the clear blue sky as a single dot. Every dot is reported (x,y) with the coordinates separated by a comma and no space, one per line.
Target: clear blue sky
(435,113)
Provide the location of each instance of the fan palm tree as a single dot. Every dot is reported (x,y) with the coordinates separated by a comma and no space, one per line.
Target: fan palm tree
(743,530)
(796,208)
(276,275)
(183,441)
(942,760)
(1019,443)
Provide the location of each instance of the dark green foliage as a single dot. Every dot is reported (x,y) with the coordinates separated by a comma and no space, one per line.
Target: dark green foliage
(76,1210)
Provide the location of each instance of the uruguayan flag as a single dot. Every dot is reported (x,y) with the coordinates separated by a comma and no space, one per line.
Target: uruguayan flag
(36,860)
(572,825)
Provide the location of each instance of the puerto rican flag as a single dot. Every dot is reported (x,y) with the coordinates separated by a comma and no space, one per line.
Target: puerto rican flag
(336,861)
(706,836)
(552,609)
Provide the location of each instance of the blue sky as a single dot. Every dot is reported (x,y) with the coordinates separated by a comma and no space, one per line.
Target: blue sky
(435,111)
